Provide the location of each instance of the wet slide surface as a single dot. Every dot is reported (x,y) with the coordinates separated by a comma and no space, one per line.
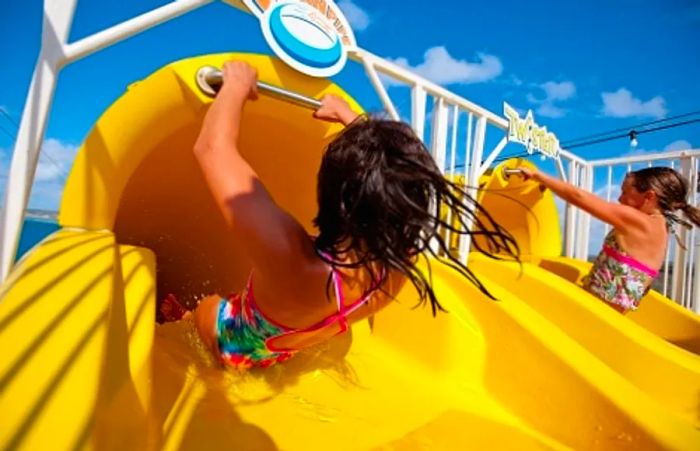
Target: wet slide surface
(658,314)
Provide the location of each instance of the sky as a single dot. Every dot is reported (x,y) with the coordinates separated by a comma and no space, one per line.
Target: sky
(583,67)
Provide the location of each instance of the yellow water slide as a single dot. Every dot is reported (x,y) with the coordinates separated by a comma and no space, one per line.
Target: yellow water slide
(654,348)
(85,366)
(660,315)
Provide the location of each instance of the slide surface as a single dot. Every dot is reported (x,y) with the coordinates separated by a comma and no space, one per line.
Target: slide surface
(655,348)
(658,314)
(667,373)
(85,366)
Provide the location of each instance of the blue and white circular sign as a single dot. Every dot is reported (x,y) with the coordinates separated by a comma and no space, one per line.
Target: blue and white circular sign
(304,38)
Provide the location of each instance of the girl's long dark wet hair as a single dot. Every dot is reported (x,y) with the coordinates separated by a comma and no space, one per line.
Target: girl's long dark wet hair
(379,193)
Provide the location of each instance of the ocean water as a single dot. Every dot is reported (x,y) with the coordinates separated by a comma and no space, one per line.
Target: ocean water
(33,231)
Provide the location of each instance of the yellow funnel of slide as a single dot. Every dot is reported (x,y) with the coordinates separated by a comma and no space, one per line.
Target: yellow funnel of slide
(140,178)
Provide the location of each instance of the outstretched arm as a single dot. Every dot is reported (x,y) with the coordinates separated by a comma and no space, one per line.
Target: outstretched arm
(270,236)
(619,216)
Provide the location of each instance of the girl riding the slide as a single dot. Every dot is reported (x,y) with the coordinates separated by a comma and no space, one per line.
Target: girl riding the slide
(635,248)
(378,195)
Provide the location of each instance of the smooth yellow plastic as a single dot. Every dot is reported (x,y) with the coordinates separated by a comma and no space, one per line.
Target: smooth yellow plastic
(523,209)
(659,314)
(637,353)
(669,374)
(85,367)
(76,330)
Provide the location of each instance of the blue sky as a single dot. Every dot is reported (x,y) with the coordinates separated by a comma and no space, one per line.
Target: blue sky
(583,67)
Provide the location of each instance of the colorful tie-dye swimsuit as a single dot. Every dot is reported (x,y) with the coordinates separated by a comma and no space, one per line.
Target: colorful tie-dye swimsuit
(618,278)
(245,334)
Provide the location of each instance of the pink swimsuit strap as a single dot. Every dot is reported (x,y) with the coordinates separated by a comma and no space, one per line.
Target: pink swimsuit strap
(340,316)
(343,310)
(629,261)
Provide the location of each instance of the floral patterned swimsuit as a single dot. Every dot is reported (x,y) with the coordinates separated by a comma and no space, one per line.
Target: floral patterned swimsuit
(246,336)
(618,278)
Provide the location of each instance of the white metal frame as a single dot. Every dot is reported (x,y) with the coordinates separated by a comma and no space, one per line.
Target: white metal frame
(56,53)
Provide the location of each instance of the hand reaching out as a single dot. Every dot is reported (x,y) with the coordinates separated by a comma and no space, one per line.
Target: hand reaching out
(335,109)
(526,173)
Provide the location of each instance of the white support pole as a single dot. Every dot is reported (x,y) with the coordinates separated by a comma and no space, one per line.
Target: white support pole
(463,240)
(560,167)
(438,142)
(667,259)
(571,212)
(691,268)
(695,290)
(453,144)
(584,219)
(581,181)
(608,196)
(584,230)
(695,201)
(468,146)
(438,150)
(493,155)
(680,259)
(451,168)
(688,288)
(58,16)
(477,152)
(381,91)
(571,157)
(105,38)
(418,98)
(473,178)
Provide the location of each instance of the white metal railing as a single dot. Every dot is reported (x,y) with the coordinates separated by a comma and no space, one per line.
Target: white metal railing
(54,54)
(447,141)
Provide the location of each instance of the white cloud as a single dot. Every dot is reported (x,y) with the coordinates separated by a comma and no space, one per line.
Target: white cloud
(680,144)
(622,103)
(549,110)
(516,80)
(440,67)
(46,196)
(358,18)
(553,92)
(55,161)
(559,91)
